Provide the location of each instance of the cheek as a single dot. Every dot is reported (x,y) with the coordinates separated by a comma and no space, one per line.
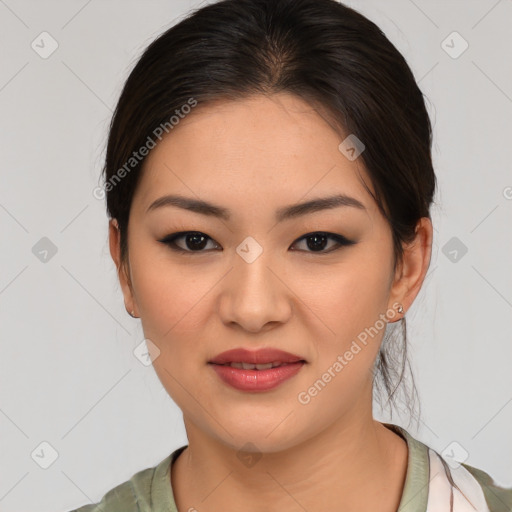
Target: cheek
(168,295)
(348,297)
(172,307)
(169,305)
(351,302)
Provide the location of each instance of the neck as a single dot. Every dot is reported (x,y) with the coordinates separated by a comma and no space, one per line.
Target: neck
(361,465)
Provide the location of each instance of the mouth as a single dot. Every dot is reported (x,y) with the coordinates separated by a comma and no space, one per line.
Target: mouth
(260,359)
(256,371)
(262,366)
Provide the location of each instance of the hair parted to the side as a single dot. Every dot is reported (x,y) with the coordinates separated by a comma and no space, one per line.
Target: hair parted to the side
(320,50)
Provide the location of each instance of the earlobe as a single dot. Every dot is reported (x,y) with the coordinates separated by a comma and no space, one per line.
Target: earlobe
(122,274)
(416,260)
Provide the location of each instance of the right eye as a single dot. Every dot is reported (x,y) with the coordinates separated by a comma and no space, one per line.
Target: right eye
(195,241)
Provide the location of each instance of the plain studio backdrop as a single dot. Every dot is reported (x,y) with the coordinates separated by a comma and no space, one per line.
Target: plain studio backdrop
(79,412)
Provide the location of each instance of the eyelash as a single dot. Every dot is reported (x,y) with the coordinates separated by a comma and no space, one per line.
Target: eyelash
(169,240)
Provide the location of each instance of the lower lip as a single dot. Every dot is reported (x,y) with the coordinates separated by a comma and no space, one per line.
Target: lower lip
(256,380)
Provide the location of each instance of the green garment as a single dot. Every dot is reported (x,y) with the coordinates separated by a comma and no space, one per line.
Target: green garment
(150,490)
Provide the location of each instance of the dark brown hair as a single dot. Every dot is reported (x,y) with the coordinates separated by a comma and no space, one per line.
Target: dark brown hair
(320,50)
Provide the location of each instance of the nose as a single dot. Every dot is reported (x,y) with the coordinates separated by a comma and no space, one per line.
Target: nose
(254,294)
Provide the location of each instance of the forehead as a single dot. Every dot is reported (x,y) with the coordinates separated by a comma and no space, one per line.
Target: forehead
(275,150)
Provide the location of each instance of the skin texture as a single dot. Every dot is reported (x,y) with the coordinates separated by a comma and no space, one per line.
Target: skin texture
(254,156)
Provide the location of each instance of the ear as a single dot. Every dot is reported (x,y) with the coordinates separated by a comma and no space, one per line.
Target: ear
(123,270)
(409,276)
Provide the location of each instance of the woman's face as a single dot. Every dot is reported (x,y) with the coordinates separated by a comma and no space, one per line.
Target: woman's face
(254,281)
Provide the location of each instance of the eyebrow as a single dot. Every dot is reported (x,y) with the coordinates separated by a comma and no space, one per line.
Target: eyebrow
(285,213)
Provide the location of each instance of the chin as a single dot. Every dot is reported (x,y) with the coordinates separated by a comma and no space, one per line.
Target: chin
(261,438)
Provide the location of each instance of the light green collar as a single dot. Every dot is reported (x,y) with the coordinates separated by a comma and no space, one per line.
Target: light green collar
(415,493)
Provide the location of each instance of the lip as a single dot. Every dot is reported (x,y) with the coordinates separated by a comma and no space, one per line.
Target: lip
(256,380)
(260,356)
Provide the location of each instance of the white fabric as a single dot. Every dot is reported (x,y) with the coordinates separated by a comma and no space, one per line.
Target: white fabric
(440,490)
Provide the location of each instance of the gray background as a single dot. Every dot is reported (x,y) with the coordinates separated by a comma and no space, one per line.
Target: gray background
(69,377)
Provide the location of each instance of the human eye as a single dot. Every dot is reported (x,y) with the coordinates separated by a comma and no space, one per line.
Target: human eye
(318,239)
(195,241)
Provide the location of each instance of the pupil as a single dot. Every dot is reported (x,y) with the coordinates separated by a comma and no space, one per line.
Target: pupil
(317,244)
(196,243)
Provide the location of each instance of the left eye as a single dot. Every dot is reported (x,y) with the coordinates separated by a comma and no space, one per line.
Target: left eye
(317,241)
(195,241)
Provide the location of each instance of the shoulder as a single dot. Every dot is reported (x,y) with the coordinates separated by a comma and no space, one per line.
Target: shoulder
(119,499)
(134,495)
(125,497)
(498,498)
(471,485)
(442,482)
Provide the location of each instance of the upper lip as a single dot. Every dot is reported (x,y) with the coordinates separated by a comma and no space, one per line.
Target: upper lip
(260,356)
